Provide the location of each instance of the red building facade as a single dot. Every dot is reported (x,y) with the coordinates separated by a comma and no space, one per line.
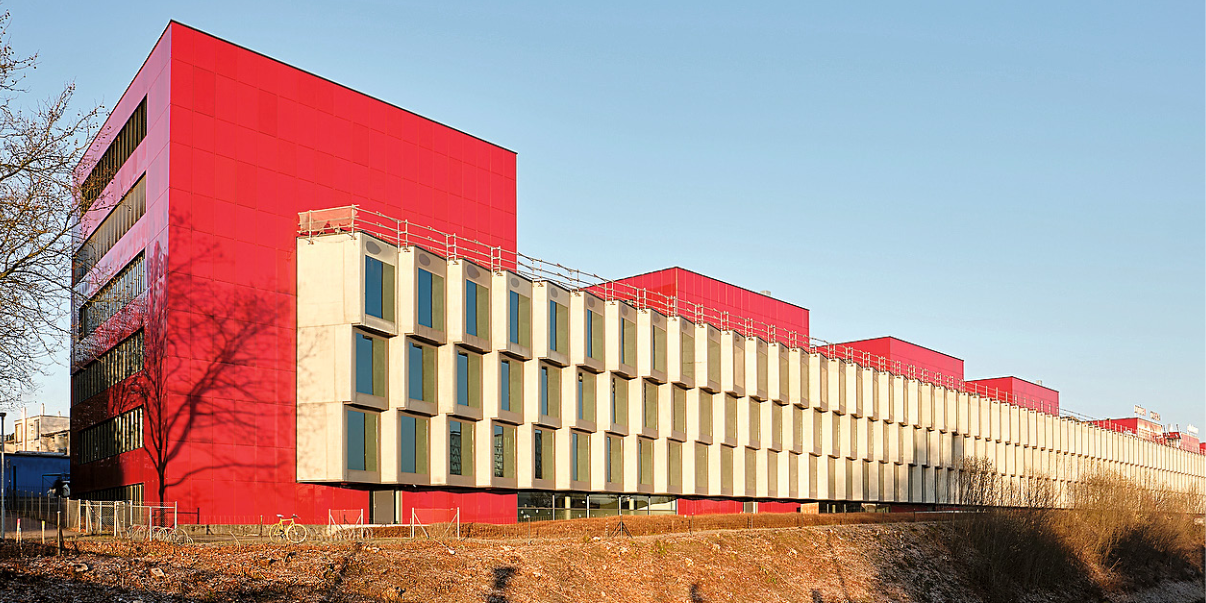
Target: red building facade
(235,145)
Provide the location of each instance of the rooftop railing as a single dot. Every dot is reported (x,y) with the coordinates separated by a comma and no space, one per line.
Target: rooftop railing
(351,219)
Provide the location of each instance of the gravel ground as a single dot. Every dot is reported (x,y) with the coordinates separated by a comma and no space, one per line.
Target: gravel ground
(864,563)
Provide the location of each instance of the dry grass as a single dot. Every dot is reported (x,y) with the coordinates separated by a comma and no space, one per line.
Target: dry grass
(1117,536)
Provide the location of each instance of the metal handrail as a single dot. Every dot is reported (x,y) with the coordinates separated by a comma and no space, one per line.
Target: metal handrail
(350,219)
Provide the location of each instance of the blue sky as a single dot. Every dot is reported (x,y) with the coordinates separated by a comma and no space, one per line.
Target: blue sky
(1020,185)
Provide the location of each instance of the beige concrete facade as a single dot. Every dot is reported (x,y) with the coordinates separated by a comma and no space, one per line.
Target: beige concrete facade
(613,398)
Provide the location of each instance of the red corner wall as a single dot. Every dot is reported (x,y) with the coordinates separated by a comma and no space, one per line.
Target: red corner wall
(721,296)
(237,145)
(1019,392)
(904,356)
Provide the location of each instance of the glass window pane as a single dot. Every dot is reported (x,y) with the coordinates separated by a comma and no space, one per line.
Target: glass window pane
(462,379)
(544,390)
(355,440)
(408,438)
(424,293)
(513,317)
(454,448)
(364,364)
(471,308)
(415,372)
(504,385)
(373,276)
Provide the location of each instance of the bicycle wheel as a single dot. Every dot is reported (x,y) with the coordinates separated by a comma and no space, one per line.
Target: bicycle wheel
(276,534)
(296,534)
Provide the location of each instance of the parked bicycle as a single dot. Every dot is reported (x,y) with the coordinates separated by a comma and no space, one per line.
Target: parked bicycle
(286,529)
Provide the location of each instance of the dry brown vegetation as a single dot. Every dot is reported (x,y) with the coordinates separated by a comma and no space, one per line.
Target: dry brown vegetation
(1118,536)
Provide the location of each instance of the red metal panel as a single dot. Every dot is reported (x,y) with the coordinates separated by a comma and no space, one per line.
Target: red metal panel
(1020,392)
(250,143)
(912,358)
(707,506)
(738,302)
(778,507)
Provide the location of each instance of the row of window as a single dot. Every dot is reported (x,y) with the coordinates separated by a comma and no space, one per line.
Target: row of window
(123,288)
(120,220)
(110,368)
(414,442)
(122,433)
(119,150)
(536,505)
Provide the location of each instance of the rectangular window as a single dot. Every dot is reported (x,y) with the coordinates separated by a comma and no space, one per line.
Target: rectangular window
(763,369)
(362,441)
(511,385)
(558,327)
(119,434)
(378,289)
(586,396)
(594,335)
(755,425)
(504,451)
(645,470)
(776,424)
(678,411)
(123,288)
(705,414)
(797,427)
(477,309)
(658,349)
(751,471)
(687,353)
(460,448)
(649,405)
(371,365)
(730,417)
(784,379)
(118,151)
(713,360)
(519,319)
(120,220)
(674,462)
(701,465)
(109,369)
(726,467)
(421,372)
(619,400)
(430,291)
(469,379)
(550,391)
(579,456)
(542,454)
(628,342)
(614,469)
(412,437)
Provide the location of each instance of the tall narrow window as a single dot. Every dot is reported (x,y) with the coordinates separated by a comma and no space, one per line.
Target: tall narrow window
(477,309)
(649,405)
(468,379)
(658,349)
(412,437)
(763,369)
(511,385)
(420,372)
(519,319)
(687,355)
(713,360)
(619,400)
(542,454)
(701,466)
(579,456)
(730,417)
(674,463)
(784,379)
(645,467)
(594,335)
(430,291)
(776,425)
(679,410)
(378,289)
(503,450)
(550,391)
(614,469)
(755,425)
(628,342)
(705,414)
(558,327)
(371,367)
(460,448)
(726,467)
(361,441)
(586,396)
(751,471)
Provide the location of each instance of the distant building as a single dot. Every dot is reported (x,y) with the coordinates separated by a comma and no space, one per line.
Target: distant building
(40,433)
(33,473)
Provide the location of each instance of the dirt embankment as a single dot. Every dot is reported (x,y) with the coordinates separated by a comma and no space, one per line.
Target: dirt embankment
(890,562)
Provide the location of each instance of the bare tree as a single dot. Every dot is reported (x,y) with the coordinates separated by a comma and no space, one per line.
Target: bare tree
(40,145)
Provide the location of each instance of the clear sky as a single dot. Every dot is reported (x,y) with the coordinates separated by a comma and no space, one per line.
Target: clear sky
(1018,184)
